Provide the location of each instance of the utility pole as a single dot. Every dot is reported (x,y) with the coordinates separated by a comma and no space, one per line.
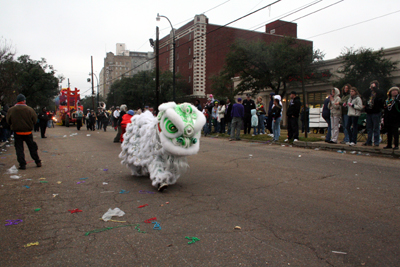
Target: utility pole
(157,70)
(92,84)
(304,99)
(68,82)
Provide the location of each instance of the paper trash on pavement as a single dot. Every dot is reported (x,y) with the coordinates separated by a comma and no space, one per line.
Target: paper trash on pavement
(112,212)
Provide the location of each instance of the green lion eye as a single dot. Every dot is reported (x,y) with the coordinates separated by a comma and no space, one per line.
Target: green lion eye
(170,127)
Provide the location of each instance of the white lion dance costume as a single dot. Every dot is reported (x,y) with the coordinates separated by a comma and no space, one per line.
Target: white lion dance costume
(159,146)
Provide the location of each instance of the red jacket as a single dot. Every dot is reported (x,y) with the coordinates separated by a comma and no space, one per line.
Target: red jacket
(126,119)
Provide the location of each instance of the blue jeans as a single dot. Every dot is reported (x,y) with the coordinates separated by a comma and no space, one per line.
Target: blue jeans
(345,121)
(276,128)
(373,124)
(352,120)
(261,127)
(255,130)
(328,134)
(206,129)
(216,126)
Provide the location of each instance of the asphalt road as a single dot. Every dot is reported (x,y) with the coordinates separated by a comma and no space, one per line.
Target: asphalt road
(295,207)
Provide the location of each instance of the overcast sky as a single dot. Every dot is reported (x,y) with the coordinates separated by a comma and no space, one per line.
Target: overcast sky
(67,33)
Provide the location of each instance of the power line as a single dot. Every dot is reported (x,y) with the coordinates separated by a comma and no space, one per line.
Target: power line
(354,24)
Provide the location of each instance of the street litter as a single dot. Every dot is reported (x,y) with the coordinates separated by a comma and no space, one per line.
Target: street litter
(157,226)
(105,170)
(12,170)
(44,182)
(145,192)
(74,211)
(238,228)
(112,212)
(250,155)
(37,209)
(340,151)
(64,136)
(339,252)
(105,229)
(138,229)
(104,183)
(124,191)
(151,219)
(83,178)
(54,195)
(354,161)
(107,192)
(31,244)
(88,135)
(42,178)
(194,239)
(13,222)
(80,182)
(113,221)
(142,206)
(299,156)
(59,182)
(316,149)
(27,186)
(15,177)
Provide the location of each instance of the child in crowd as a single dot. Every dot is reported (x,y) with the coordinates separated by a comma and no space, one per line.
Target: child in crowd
(276,116)
(254,121)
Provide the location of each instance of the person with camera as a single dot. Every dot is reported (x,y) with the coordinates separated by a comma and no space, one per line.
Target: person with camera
(374,98)
(392,117)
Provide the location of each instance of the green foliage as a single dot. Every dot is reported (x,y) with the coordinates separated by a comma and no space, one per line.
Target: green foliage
(139,90)
(259,65)
(363,65)
(35,79)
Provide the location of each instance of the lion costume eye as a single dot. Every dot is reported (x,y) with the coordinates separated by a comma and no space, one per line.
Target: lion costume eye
(170,127)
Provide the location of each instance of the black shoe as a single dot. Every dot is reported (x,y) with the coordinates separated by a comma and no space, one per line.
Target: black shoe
(376,145)
(331,142)
(387,147)
(22,167)
(44,137)
(38,164)
(366,144)
(327,141)
(162,187)
(396,148)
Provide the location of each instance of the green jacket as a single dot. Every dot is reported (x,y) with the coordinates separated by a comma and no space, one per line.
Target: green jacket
(343,100)
(21,118)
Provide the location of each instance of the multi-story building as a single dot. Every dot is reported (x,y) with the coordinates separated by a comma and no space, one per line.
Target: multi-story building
(201,49)
(124,63)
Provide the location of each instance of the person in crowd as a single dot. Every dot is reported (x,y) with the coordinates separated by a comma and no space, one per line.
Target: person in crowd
(278,97)
(305,119)
(276,114)
(99,118)
(237,115)
(122,112)
(139,111)
(254,121)
(326,115)
(92,119)
(269,118)
(21,119)
(209,106)
(261,115)
(292,114)
(228,118)
(43,117)
(126,119)
(336,114)
(36,127)
(206,128)
(354,107)
(116,117)
(87,118)
(248,105)
(345,119)
(5,127)
(221,116)
(392,117)
(198,105)
(79,117)
(373,107)
(105,119)
(214,117)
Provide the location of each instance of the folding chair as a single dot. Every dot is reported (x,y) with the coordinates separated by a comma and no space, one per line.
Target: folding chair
(362,128)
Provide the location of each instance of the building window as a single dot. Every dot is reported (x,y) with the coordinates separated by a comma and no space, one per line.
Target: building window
(177,69)
(190,78)
(167,60)
(190,50)
(190,65)
(177,56)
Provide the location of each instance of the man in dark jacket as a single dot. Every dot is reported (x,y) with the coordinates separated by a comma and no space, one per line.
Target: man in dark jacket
(292,114)
(197,104)
(374,104)
(269,118)
(326,115)
(21,119)
(248,105)
(43,119)
(228,115)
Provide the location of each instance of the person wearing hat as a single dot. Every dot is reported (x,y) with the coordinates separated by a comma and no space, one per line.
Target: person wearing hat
(215,117)
(121,113)
(374,99)
(87,118)
(292,114)
(392,117)
(237,115)
(115,117)
(79,117)
(43,119)
(21,119)
(248,105)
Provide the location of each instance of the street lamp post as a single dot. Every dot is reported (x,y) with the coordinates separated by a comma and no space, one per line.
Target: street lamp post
(97,80)
(173,52)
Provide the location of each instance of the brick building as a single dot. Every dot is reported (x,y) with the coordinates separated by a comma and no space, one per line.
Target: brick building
(201,49)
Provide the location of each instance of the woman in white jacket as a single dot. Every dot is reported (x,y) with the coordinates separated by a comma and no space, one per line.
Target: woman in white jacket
(336,114)
(354,104)
(221,116)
